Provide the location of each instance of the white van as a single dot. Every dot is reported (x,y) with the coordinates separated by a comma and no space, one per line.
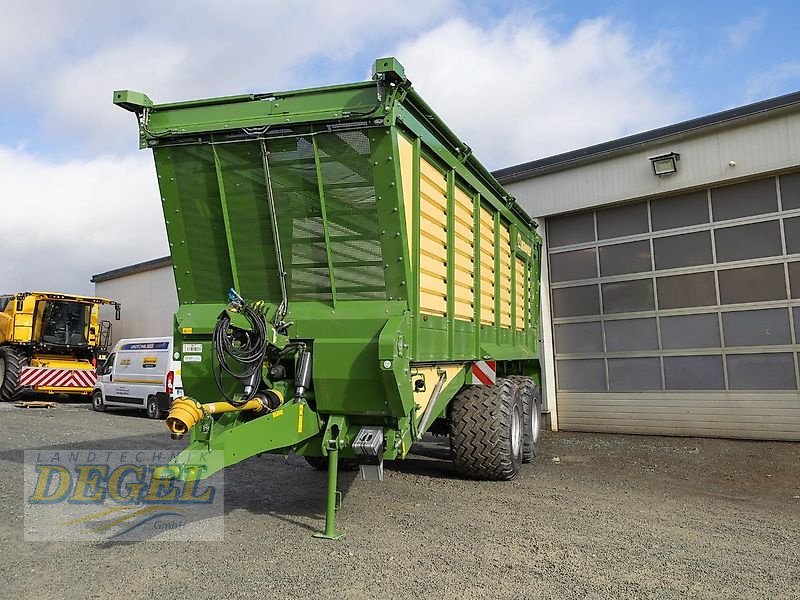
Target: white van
(139,373)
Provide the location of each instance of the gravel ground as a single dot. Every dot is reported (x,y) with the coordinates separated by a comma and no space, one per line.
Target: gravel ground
(597,516)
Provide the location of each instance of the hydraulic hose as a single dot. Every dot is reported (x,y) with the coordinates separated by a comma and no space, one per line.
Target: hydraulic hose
(240,353)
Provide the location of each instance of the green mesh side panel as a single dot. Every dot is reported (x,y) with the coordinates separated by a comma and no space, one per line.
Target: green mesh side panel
(198,198)
(345,167)
(353,228)
(250,221)
(295,190)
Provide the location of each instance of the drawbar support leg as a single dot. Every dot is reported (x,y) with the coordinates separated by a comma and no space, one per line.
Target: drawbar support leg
(330,532)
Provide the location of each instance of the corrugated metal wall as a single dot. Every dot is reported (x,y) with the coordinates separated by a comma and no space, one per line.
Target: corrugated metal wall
(149,302)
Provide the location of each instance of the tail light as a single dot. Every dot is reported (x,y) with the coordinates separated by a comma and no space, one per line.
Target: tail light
(170,382)
(94,362)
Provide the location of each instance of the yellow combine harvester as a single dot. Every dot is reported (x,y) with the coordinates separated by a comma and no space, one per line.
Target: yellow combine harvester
(50,343)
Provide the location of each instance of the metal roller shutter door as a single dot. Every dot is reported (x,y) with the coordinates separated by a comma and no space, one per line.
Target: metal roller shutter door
(681,315)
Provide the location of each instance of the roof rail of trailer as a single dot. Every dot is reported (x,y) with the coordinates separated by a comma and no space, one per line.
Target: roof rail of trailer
(389,97)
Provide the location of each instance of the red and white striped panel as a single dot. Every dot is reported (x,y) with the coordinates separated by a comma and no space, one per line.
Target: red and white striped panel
(484,372)
(43,377)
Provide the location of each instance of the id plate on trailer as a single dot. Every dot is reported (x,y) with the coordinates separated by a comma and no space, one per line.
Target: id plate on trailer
(193,348)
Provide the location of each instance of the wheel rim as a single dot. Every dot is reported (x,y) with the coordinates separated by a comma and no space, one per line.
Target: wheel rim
(536,429)
(98,400)
(516,430)
(151,407)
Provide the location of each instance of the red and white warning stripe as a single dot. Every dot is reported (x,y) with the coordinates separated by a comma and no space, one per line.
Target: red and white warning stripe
(484,372)
(43,377)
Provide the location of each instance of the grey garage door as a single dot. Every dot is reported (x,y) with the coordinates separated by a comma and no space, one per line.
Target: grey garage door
(681,314)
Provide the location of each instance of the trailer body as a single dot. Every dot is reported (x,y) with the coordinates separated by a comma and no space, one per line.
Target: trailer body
(408,272)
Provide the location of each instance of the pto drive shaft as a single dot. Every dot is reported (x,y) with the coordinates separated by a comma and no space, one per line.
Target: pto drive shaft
(185,413)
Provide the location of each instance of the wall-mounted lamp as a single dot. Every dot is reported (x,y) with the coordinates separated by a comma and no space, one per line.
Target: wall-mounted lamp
(665,164)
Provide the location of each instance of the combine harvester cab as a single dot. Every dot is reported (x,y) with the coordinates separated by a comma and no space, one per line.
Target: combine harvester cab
(349,277)
(50,343)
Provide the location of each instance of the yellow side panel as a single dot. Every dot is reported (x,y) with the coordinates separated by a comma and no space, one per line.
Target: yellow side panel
(505,277)
(60,362)
(464,310)
(487,267)
(94,319)
(6,327)
(430,281)
(464,254)
(463,293)
(435,177)
(431,376)
(434,215)
(464,249)
(463,233)
(23,327)
(430,245)
(433,240)
(519,293)
(406,151)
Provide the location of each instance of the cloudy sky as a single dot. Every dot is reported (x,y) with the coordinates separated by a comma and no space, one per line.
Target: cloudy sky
(516,80)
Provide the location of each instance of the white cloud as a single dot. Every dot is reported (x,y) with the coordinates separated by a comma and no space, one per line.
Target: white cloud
(135,63)
(72,218)
(213,51)
(63,222)
(739,34)
(776,80)
(29,30)
(516,91)
(513,90)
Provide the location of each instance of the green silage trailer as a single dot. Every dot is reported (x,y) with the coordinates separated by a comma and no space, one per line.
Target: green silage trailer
(349,278)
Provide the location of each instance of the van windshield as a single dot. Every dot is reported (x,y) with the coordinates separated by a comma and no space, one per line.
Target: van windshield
(62,323)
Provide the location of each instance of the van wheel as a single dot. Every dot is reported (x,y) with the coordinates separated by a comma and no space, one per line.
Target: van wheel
(152,408)
(487,431)
(97,401)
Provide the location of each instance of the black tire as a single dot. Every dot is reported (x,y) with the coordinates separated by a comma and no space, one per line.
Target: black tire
(11,363)
(97,401)
(152,408)
(532,412)
(320,463)
(487,431)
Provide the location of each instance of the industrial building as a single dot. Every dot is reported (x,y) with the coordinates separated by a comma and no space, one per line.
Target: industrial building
(670,278)
(147,293)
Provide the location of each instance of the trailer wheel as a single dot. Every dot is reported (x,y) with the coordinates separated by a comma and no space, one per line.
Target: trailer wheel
(152,408)
(97,401)
(320,463)
(532,411)
(487,431)
(11,363)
